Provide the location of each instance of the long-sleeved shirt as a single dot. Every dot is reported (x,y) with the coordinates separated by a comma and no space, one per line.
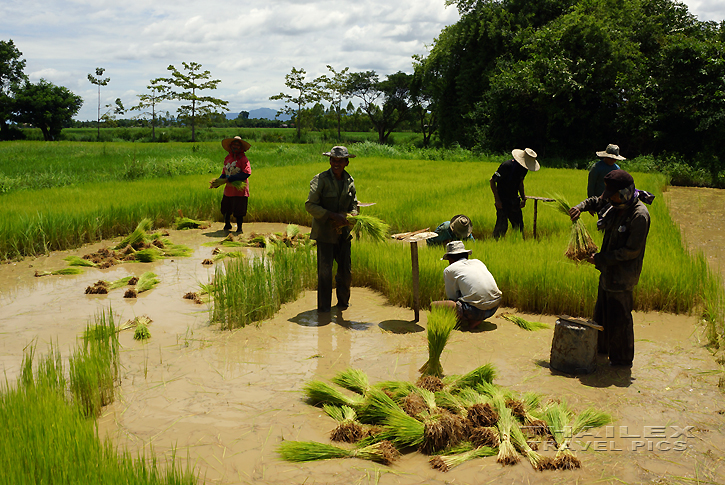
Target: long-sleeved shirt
(470,280)
(595,183)
(329,195)
(236,169)
(625,236)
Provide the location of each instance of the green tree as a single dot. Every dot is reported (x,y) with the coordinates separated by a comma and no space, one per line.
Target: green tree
(189,84)
(46,106)
(158,91)
(332,90)
(307,92)
(11,74)
(99,81)
(394,94)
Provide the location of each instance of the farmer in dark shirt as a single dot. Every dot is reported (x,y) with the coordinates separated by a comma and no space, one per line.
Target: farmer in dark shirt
(507,184)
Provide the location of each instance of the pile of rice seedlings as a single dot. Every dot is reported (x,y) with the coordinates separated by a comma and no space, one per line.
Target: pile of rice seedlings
(102,287)
(78,261)
(581,245)
(441,322)
(368,227)
(147,281)
(187,223)
(143,246)
(63,271)
(142,331)
(525,324)
(469,418)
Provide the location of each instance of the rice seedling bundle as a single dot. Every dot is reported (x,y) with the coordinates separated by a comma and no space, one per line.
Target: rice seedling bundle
(149,255)
(581,245)
(146,281)
(537,461)
(484,373)
(319,392)
(121,282)
(137,237)
(445,462)
(187,223)
(303,451)
(441,323)
(63,271)
(522,323)
(507,454)
(77,261)
(353,379)
(368,227)
(141,332)
(239,184)
(587,419)
(348,429)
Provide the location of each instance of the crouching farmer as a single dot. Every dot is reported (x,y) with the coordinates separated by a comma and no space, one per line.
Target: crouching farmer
(470,287)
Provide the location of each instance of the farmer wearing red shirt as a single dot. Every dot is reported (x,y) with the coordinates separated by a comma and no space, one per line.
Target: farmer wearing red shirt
(236,169)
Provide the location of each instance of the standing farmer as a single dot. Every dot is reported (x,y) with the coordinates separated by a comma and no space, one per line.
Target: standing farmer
(506,183)
(236,170)
(607,162)
(625,222)
(332,196)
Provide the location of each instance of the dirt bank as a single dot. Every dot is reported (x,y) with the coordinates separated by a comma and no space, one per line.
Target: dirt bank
(227,399)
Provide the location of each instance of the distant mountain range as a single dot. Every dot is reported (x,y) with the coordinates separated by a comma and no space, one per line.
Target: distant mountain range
(258,113)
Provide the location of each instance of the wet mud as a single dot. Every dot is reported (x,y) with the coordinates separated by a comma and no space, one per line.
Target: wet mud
(225,400)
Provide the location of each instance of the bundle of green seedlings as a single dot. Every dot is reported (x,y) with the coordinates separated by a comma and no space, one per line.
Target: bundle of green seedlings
(145,282)
(63,271)
(525,324)
(581,246)
(466,417)
(187,223)
(102,287)
(441,322)
(147,247)
(368,227)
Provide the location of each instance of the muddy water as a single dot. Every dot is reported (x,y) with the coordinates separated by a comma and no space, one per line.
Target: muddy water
(227,399)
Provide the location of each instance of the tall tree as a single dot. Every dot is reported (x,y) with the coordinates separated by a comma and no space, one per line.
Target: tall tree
(307,92)
(189,84)
(333,91)
(99,81)
(46,106)
(157,92)
(394,93)
(11,74)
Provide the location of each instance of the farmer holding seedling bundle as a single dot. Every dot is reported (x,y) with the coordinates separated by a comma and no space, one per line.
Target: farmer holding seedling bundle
(506,183)
(234,178)
(332,196)
(459,228)
(625,222)
(607,162)
(470,287)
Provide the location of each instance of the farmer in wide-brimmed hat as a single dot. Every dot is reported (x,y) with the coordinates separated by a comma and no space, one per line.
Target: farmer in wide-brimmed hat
(625,222)
(607,162)
(234,178)
(470,286)
(332,196)
(459,228)
(507,185)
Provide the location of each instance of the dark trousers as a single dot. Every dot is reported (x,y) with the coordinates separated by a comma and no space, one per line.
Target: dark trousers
(327,253)
(503,216)
(613,311)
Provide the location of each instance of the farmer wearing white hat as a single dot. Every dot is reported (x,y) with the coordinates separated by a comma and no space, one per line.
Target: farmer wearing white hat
(470,287)
(459,228)
(607,162)
(507,185)
(332,196)
(236,169)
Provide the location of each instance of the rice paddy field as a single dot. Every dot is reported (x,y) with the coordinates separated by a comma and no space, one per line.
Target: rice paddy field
(223,400)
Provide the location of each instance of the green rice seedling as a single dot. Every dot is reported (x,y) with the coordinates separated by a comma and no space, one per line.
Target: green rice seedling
(441,323)
(522,323)
(461,447)
(507,454)
(348,429)
(537,461)
(292,230)
(187,223)
(587,419)
(369,227)
(445,462)
(581,245)
(558,416)
(120,282)
(137,237)
(146,281)
(353,379)
(230,254)
(303,451)
(484,373)
(76,261)
(319,392)
(446,400)
(141,332)
(149,255)
(396,389)
(239,184)
(376,406)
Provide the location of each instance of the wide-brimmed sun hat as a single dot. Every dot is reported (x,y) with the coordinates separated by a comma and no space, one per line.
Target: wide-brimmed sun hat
(612,151)
(339,152)
(461,226)
(227,143)
(455,248)
(526,158)
(615,181)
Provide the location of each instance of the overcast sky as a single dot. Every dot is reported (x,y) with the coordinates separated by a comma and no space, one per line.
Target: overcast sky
(249,46)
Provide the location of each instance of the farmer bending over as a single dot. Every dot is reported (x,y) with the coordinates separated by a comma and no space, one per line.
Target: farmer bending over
(625,222)
(459,228)
(470,287)
(332,196)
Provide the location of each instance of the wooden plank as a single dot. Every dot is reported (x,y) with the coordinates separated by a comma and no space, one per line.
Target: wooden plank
(416,278)
(587,323)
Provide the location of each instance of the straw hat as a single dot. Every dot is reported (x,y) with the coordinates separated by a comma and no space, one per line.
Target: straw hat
(612,151)
(461,226)
(526,158)
(454,248)
(338,152)
(227,143)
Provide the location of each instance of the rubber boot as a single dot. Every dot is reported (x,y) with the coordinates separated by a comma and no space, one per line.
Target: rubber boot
(227,222)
